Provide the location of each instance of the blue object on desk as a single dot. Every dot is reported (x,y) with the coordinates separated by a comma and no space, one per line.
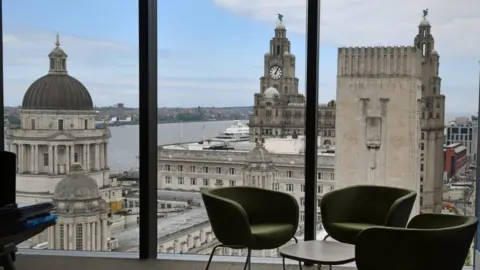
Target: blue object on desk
(39,221)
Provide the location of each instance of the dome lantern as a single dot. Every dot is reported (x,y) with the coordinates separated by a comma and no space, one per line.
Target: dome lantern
(58,59)
(57,90)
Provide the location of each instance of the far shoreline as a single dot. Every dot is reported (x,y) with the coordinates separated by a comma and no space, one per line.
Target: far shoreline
(172,122)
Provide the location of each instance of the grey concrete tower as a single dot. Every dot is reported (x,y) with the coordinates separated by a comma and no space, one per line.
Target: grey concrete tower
(278,108)
(432,121)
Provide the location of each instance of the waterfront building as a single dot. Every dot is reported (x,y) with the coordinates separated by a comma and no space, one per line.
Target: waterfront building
(277,164)
(279,108)
(57,128)
(432,120)
(383,94)
(378,126)
(82,214)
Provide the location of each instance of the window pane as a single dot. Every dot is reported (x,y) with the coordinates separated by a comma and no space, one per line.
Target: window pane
(209,91)
(72,102)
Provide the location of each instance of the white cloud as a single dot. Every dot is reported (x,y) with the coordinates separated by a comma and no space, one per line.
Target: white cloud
(109,70)
(455,24)
(455,27)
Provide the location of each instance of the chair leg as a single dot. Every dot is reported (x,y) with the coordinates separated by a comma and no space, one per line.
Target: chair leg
(211,255)
(299,263)
(248,262)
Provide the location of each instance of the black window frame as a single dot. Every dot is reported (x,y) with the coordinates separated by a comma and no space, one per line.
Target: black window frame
(311,118)
(148,92)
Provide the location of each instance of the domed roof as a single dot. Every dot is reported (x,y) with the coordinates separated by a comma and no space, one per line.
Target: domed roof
(259,155)
(280,26)
(76,186)
(271,92)
(424,23)
(57,90)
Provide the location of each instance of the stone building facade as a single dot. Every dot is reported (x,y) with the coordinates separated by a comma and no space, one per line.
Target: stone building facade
(82,214)
(432,108)
(433,122)
(279,108)
(378,123)
(193,170)
(58,129)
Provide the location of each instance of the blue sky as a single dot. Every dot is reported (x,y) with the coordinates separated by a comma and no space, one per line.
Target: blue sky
(211,51)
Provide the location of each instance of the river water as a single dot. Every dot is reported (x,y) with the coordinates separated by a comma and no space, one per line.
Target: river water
(124,143)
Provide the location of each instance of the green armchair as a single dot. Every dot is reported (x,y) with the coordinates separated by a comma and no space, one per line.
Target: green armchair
(348,211)
(430,241)
(251,218)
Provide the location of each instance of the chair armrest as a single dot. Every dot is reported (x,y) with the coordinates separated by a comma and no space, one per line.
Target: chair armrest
(228,219)
(269,206)
(400,211)
(439,221)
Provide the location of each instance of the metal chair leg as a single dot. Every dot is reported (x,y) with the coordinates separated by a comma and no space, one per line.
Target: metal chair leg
(248,261)
(299,263)
(211,255)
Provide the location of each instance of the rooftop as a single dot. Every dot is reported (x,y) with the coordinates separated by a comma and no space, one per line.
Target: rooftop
(128,239)
(287,145)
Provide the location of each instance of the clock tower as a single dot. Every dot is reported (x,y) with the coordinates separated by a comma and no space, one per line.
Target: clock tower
(279,108)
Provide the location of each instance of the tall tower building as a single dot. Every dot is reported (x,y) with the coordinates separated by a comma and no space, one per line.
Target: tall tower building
(279,108)
(432,122)
(377,121)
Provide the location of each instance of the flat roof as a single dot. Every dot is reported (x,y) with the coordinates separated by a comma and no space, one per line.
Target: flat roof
(460,149)
(128,240)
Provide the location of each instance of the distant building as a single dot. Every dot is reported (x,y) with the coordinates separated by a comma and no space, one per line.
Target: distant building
(463,130)
(455,156)
(279,108)
(57,130)
(120,111)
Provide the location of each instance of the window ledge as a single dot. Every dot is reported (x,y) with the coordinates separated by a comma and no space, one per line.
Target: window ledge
(57,259)
(79,260)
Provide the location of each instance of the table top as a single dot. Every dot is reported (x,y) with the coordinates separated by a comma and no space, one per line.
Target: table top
(320,252)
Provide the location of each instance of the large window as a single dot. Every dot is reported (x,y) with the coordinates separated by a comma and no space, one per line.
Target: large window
(76,75)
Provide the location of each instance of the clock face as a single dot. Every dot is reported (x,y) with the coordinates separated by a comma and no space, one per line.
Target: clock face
(276,72)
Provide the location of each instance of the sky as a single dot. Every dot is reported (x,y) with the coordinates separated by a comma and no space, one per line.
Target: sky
(211,51)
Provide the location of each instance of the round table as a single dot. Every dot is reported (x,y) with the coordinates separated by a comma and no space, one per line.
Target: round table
(319,252)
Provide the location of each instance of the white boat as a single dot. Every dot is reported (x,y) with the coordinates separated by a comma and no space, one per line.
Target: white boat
(237,132)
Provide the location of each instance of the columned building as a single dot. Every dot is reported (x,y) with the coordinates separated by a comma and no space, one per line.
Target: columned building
(432,121)
(57,129)
(82,214)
